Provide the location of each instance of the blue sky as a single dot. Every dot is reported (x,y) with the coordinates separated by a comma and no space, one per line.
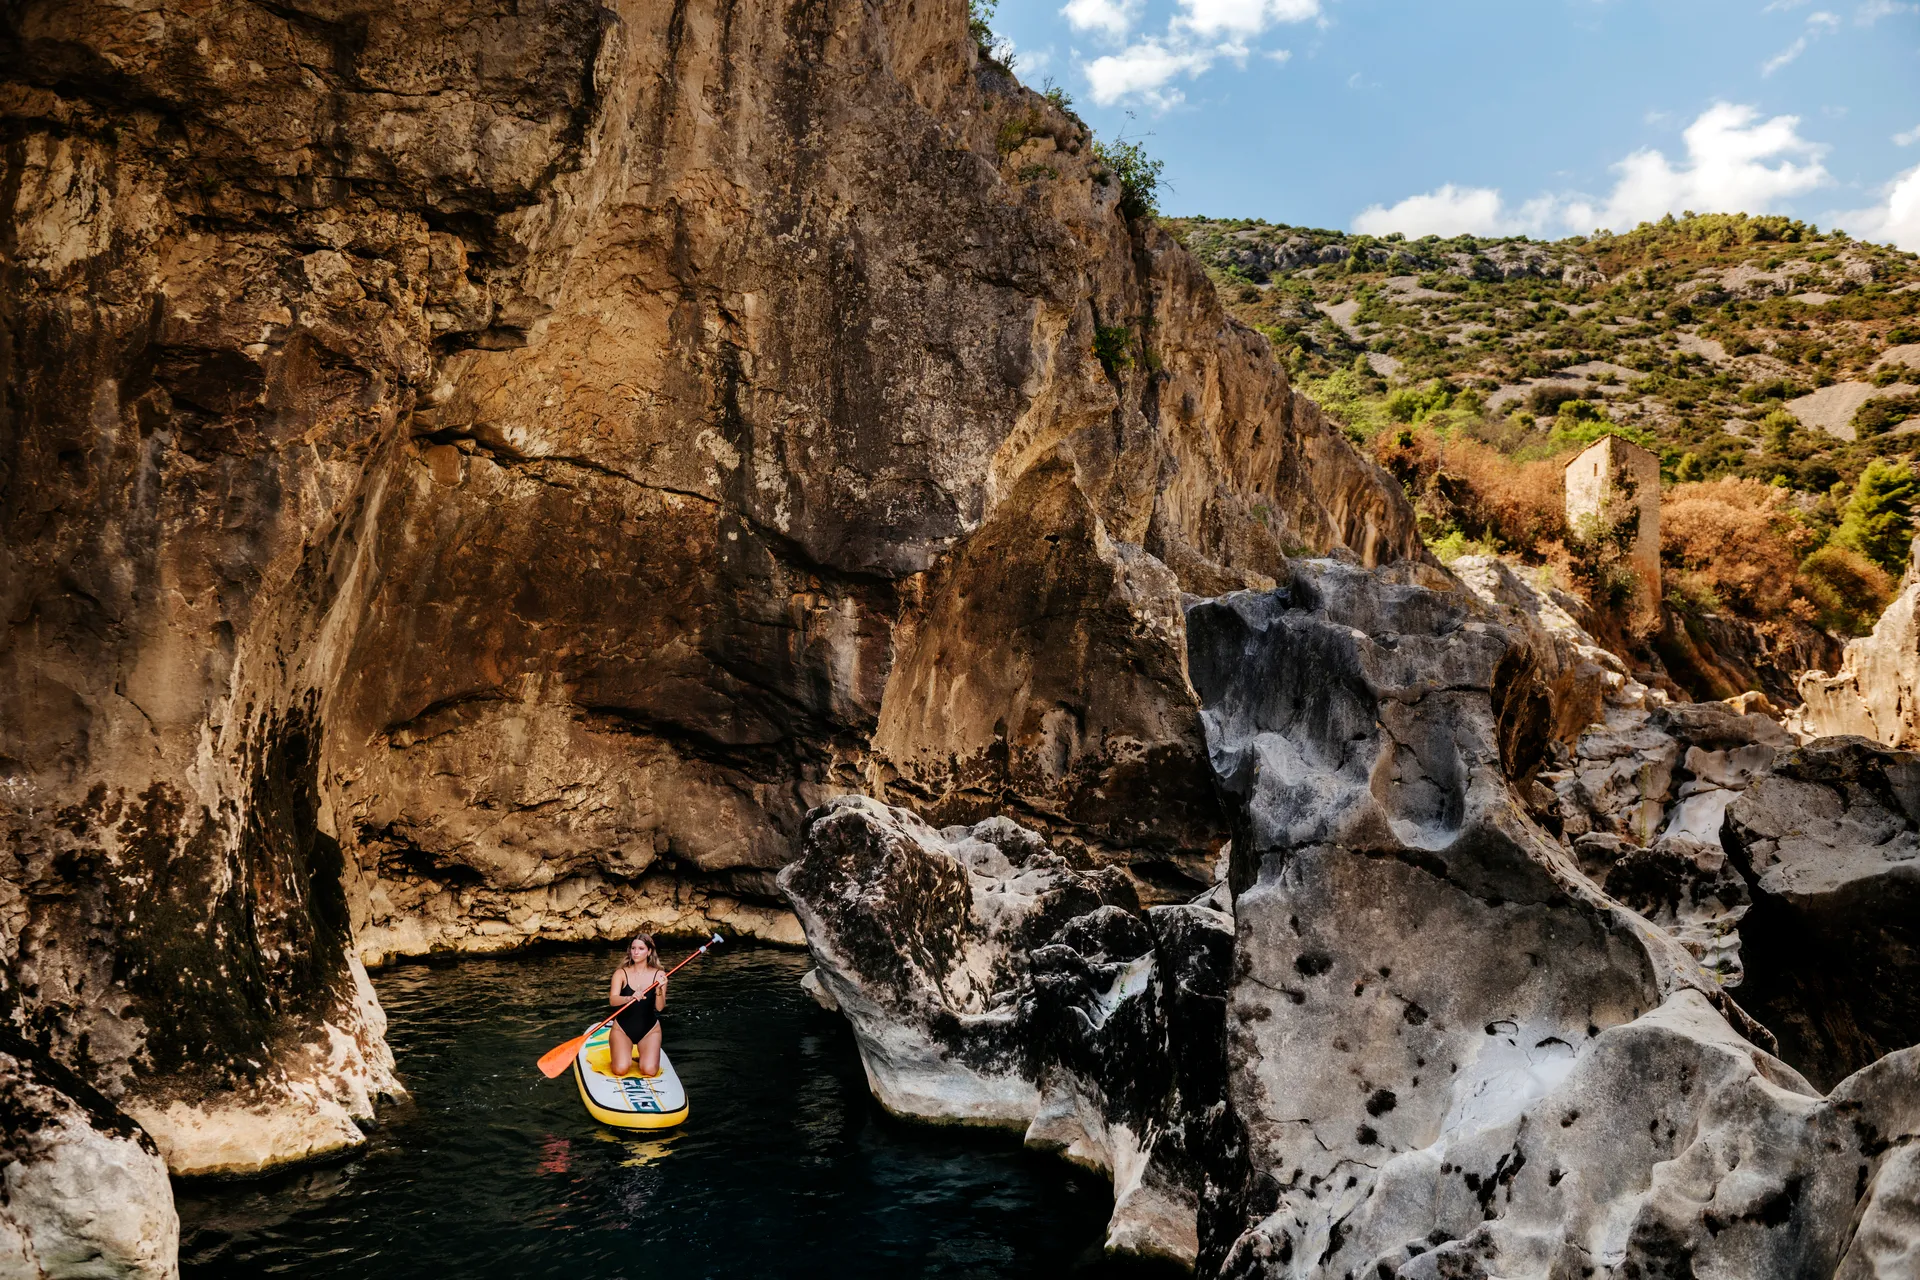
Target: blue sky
(1542,117)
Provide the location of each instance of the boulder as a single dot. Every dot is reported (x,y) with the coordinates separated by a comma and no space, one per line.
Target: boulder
(1830,845)
(1581,676)
(987,982)
(86,1195)
(1642,801)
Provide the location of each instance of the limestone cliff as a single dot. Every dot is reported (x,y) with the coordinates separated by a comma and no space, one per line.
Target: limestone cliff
(482,470)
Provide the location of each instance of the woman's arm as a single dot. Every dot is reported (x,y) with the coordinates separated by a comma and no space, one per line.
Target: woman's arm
(661,1000)
(614,998)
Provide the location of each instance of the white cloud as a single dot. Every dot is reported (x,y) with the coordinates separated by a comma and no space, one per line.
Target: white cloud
(1200,34)
(1819,23)
(1144,70)
(1896,219)
(1114,17)
(1448,211)
(1785,56)
(1735,162)
(1908,138)
(1874,10)
(1242,17)
(1031,62)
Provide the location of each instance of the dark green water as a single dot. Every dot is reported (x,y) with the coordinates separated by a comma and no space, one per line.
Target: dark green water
(784,1168)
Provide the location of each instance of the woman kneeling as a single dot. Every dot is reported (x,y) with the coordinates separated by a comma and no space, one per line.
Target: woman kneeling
(636,1031)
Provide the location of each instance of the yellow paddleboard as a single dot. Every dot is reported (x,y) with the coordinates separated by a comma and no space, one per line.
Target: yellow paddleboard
(632,1101)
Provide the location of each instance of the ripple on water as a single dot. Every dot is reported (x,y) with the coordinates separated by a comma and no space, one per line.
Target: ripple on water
(784,1168)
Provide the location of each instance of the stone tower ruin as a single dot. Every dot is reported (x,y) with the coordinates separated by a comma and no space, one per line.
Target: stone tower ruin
(1613,482)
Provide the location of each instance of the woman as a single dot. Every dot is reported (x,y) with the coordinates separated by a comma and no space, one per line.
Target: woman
(635,1034)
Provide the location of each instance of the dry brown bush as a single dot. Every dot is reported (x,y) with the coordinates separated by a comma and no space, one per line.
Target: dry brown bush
(1731,545)
(1517,506)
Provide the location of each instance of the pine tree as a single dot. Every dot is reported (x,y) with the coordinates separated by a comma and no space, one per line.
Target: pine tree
(1879,518)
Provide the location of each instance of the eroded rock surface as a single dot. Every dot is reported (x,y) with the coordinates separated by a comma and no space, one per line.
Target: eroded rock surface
(1875,693)
(1642,800)
(987,982)
(1449,1052)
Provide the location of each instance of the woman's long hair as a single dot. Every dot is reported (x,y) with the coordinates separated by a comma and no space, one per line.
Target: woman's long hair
(653,949)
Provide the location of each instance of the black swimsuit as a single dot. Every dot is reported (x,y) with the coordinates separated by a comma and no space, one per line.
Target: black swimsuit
(641,1016)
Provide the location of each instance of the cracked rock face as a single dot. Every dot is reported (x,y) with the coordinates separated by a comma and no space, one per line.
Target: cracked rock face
(1643,799)
(484,473)
(987,982)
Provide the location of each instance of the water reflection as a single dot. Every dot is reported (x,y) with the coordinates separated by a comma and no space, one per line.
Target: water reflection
(785,1167)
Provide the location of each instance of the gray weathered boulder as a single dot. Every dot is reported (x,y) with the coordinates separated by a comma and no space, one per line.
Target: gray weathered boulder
(1830,843)
(987,982)
(1449,1053)
(85,1192)
(1642,799)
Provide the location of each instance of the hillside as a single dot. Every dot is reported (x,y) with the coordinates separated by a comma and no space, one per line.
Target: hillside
(1743,349)
(1693,330)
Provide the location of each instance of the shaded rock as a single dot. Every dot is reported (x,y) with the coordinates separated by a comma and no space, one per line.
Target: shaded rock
(1830,844)
(1582,678)
(987,982)
(1715,656)
(1048,671)
(86,1192)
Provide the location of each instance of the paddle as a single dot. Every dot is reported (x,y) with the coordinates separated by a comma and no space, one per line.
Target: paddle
(557,1059)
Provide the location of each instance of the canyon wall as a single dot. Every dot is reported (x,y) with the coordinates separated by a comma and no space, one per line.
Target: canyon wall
(482,471)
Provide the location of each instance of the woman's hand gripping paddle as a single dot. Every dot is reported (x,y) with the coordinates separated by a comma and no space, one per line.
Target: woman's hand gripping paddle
(556,1060)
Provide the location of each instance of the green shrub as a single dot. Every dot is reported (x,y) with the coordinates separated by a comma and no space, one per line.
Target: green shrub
(1549,396)
(1878,522)
(1848,590)
(1777,429)
(1138,174)
(1111,343)
(980,21)
(1876,416)
(1016,129)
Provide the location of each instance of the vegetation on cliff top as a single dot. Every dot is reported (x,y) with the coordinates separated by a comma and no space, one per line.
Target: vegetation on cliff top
(1757,350)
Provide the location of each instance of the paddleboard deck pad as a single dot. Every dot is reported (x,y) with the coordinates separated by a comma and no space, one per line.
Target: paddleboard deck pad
(632,1101)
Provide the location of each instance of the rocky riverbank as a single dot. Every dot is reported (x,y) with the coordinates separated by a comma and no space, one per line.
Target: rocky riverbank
(1454,1011)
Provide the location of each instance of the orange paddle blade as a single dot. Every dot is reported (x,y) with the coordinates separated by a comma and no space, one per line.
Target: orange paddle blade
(556,1060)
